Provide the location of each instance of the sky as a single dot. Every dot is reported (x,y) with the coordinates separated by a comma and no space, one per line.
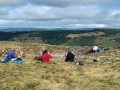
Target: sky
(60,13)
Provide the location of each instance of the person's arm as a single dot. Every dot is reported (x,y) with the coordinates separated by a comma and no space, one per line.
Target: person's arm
(14,56)
(50,57)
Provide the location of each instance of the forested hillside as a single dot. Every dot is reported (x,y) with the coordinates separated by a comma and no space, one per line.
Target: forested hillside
(103,37)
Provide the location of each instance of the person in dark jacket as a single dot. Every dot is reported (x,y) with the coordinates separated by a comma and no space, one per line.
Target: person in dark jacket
(10,55)
(69,57)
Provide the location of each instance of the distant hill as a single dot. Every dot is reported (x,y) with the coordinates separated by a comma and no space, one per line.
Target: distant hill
(102,37)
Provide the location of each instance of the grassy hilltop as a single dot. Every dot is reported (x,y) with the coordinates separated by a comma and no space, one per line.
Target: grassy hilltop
(59,75)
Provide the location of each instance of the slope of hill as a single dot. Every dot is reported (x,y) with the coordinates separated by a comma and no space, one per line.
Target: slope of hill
(102,37)
(59,75)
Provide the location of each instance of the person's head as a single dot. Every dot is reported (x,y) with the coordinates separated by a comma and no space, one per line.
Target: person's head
(9,49)
(69,51)
(45,51)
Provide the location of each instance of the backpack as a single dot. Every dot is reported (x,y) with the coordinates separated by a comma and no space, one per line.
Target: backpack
(79,63)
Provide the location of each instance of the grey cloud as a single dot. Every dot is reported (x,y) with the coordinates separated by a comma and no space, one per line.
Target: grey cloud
(3,11)
(7,3)
(72,2)
(60,16)
(117,15)
(58,13)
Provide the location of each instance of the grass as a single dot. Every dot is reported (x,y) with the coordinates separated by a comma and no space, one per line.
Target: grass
(59,75)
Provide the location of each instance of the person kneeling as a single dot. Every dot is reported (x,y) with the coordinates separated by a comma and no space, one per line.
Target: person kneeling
(69,57)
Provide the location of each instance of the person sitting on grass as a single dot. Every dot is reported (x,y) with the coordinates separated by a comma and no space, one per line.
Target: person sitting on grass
(46,56)
(69,57)
(9,56)
(95,48)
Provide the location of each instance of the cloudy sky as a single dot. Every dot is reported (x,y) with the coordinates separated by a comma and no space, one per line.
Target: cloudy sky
(60,13)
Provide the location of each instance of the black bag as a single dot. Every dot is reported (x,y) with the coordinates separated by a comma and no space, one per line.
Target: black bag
(18,59)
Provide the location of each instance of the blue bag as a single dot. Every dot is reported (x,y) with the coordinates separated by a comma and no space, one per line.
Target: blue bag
(17,61)
(99,49)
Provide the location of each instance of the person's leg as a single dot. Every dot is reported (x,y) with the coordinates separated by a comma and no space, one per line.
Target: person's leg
(66,60)
(5,59)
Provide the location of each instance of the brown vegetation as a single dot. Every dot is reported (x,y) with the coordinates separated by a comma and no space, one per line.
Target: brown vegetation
(86,34)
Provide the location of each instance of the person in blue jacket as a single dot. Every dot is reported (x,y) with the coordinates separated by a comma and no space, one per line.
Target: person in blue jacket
(10,55)
(69,57)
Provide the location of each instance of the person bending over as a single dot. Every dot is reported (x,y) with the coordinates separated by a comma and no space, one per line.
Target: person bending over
(9,56)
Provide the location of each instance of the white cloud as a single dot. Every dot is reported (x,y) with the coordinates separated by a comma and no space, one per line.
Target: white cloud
(32,12)
(91,25)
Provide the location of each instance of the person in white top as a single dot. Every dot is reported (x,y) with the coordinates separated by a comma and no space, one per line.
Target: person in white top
(95,48)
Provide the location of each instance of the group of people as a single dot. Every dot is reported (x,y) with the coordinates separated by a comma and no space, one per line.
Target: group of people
(44,56)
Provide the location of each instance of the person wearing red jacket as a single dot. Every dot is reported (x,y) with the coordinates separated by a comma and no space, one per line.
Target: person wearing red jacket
(45,56)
